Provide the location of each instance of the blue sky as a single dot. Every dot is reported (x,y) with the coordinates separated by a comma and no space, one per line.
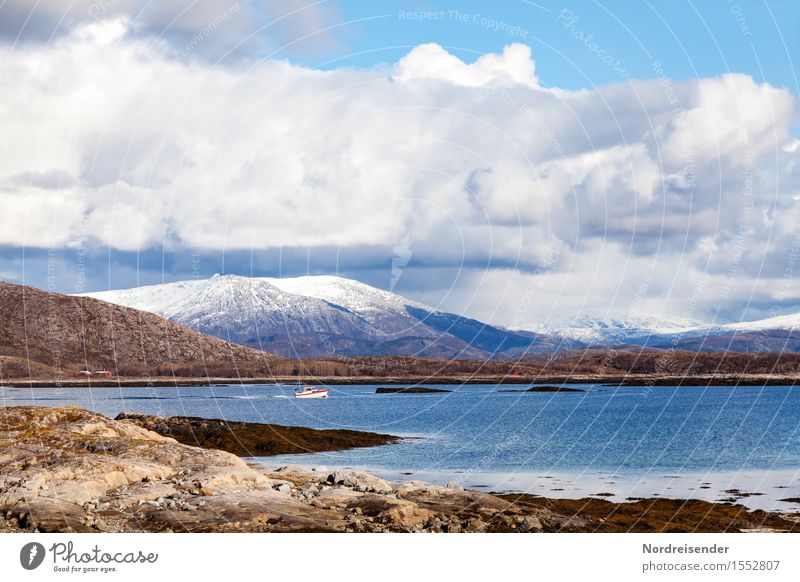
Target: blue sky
(618,157)
(691,39)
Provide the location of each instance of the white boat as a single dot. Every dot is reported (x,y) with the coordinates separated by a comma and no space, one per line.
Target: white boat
(311,392)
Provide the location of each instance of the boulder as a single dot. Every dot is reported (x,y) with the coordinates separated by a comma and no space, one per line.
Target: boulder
(394,513)
(361,482)
(530,523)
(414,486)
(407,515)
(338,495)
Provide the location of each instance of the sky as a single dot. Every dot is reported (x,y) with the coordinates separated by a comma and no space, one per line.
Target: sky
(520,162)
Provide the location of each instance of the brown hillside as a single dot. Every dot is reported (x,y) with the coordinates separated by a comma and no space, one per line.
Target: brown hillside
(60,335)
(658,362)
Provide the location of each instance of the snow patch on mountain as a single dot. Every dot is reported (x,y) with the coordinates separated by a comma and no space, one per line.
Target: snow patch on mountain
(787,322)
(354,295)
(596,328)
(656,330)
(386,311)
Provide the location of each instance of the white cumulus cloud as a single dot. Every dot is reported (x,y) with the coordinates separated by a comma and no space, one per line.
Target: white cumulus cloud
(114,135)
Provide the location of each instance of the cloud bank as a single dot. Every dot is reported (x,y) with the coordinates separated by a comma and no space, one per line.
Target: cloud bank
(575,198)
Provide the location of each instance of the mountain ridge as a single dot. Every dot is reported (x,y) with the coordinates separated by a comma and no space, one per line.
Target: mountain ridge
(326,316)
(780,333)
(330,316)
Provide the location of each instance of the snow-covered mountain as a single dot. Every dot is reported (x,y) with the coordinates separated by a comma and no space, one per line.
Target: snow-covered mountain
(785,322)
(595,328)
(774,334)
(319,316)
(326,316)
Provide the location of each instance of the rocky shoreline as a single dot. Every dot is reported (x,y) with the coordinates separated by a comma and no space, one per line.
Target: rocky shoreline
(71,470)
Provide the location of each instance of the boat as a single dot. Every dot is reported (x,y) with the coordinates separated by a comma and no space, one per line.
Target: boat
(311,392)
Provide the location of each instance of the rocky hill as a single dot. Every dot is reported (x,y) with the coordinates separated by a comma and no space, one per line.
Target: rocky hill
(638,362)
(52,335)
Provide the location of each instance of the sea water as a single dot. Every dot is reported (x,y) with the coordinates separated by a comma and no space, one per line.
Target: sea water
(713,443)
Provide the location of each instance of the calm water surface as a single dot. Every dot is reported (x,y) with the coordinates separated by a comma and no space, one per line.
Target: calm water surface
(603,437)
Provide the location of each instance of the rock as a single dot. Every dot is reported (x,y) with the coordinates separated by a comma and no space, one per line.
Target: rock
(407,515)
(284,488)
(293,469)
(361,481)
(507,520)
(410,390)
(398,514)
(421,487)
(546,389)
(338,495)
(454,485)
(134,467)
(252,439)
(530,523)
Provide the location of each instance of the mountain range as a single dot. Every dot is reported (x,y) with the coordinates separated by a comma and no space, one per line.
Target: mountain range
(776,334)
(328,316)
(51,336)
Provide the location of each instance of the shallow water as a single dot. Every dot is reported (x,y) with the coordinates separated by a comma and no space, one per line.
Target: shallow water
(627,441)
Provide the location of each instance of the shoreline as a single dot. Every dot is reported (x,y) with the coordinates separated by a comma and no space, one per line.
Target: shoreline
(71,470)
(754,489)
(272,446)
(627,380)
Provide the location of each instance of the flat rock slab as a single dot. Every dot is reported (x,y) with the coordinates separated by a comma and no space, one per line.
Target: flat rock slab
(251,439)
(547,389)
(411,390)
